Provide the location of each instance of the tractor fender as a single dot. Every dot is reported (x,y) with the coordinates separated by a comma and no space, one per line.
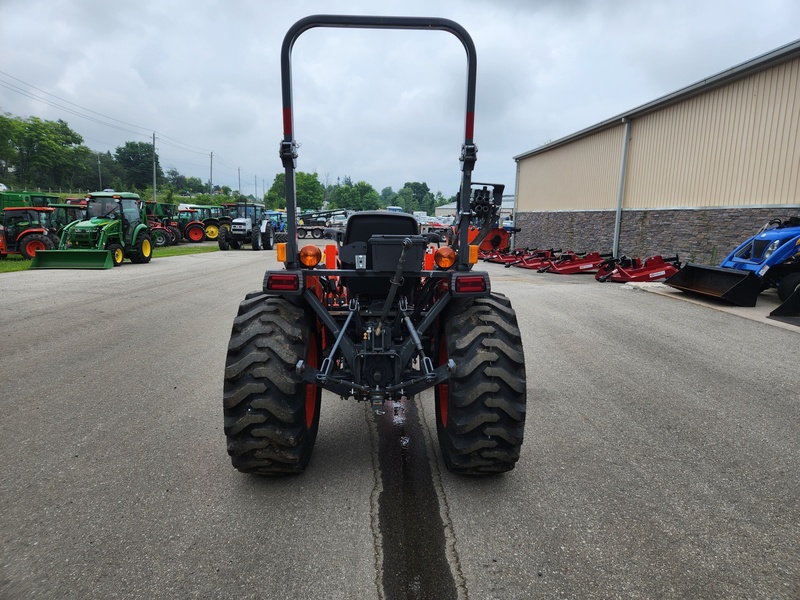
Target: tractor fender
(25,232)
(137,233)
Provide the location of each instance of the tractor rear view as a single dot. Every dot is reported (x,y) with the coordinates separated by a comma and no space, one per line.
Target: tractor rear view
(384,314)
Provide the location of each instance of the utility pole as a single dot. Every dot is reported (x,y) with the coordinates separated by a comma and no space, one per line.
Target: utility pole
(99,173)
(255,186)
(211,177)
(239,170)
(154,166)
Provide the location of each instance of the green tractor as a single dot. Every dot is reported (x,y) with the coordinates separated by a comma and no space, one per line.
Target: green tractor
(25,198)
(116,228)
(213,217)
(63,215)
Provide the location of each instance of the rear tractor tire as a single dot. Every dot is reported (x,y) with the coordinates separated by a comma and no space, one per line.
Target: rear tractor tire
(480,410)
(32,243)
(143,251)
(161,238)
(271,415)
(212,232)
(222,240)
(268,239)
(195,234)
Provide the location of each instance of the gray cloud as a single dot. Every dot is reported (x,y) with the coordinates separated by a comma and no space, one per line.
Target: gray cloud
(382,106)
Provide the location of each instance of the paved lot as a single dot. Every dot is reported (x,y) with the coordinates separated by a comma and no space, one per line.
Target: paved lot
(661,457)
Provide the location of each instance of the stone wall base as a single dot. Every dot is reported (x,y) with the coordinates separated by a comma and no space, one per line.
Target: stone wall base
(703,236)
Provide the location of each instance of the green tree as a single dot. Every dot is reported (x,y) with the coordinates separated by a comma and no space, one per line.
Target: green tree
(405,198)
(309,192)
(10,128)
(46,152)
(358,196)
(175,180)
(136,160)
(276,194)
(195,185)
(421,197)
(387,197)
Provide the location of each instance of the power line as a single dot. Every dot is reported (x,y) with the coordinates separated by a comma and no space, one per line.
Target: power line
(167,140)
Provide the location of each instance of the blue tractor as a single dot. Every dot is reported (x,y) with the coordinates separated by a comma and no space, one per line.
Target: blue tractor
(770,258)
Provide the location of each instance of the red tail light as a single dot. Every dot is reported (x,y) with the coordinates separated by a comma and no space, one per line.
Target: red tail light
(282,282)
(470,284)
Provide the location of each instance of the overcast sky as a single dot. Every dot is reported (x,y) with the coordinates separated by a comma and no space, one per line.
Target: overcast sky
(384,106)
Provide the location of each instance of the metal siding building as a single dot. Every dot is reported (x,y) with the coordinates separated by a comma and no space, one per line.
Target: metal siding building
(578,176)
(729,144)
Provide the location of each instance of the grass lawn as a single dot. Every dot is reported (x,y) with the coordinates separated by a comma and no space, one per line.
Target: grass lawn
(15,262)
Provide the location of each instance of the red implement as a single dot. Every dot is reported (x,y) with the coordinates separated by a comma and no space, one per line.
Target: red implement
(571,263)
(624,269)
(534,260)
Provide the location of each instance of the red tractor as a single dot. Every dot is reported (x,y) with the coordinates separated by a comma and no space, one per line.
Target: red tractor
(25,230)
(384,316)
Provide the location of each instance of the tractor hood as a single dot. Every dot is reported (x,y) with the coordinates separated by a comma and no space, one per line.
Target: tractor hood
(94,223)
(769,247)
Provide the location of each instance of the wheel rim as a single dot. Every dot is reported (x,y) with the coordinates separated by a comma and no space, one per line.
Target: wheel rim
(212,232)
(34,246)
(195,234)
(311,390)
(443,389)
(147,249)
(118,256)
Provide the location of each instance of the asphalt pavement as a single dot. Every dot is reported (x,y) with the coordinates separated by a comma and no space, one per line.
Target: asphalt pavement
(661,457)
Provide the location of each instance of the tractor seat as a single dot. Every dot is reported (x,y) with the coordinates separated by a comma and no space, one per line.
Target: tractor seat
(363,225)
(356,241)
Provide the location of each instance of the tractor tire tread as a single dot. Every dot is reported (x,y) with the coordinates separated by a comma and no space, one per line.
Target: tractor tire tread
(264,398)
(487,391)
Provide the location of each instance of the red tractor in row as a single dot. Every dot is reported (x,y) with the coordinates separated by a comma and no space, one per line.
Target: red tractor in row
(25,230)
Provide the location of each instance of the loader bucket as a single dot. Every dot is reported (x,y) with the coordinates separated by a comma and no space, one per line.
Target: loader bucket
(72,259)
(790,306)
(732,285)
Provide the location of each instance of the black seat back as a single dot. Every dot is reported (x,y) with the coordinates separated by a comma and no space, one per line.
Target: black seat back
(360,228)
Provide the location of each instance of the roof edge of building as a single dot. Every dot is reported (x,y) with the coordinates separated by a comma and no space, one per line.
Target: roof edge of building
(767,60)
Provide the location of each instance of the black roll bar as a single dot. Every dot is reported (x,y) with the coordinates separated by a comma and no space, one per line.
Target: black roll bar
(288,147)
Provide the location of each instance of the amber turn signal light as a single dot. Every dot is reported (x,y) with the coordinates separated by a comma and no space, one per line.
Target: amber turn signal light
(310,255)
(445,257)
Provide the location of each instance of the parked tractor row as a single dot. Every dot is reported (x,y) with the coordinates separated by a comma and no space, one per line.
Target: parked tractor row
(115,227)
(32,221)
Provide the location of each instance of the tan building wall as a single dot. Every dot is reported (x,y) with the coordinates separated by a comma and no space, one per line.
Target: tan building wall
(583,175)
(734,146)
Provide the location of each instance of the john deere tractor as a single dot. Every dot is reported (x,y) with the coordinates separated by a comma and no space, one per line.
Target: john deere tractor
(115,228)
(382,315)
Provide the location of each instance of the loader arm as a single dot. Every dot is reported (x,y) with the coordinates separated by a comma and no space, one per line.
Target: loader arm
(288,147)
